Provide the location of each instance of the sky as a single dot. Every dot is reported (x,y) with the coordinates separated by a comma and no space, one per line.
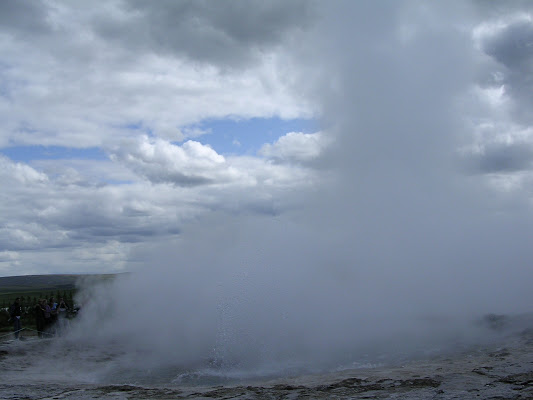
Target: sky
(123,123)
(370,134)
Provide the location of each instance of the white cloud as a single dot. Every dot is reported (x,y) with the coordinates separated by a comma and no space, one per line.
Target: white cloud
(84,172)
(19,173)
(152,191)
(187,165)
(296,146)
(194,164)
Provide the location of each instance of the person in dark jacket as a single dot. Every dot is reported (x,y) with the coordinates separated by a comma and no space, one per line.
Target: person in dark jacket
(47,316)
(39,317)
(15,312)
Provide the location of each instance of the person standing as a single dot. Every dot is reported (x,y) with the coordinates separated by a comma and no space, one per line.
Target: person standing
(53,315)
(39,317)
(15,312)
(47,316)
(62,321)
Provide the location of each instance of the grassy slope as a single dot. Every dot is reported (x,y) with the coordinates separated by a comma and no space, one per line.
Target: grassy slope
(35,285)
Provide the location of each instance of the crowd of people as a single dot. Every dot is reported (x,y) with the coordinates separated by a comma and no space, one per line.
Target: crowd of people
(50,317)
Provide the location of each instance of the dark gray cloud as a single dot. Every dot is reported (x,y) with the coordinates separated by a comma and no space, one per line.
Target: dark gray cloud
(223,33)
(501,158)
(497,8)
(24,17)
(512,47)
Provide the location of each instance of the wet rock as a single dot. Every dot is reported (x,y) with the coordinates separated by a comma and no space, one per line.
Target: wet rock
(482,371)
(419,383)
(523,379)
(345,383)
(118,388)
(137,392)
(356,385)
(501,353)
(288,387)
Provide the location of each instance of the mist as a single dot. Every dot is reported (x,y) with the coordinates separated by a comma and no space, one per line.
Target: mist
(400,249)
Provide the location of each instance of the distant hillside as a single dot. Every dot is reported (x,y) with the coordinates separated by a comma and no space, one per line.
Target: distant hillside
(24,285)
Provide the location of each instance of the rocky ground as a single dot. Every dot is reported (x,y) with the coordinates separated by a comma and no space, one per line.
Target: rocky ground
(502,370)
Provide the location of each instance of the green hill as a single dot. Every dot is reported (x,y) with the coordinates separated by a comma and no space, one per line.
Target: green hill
(40,285)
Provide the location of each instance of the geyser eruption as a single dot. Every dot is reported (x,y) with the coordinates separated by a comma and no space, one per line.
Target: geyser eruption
(397,253)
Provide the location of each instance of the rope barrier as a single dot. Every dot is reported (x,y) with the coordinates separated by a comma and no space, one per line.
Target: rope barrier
(27,329)
(44,333)
(11,333)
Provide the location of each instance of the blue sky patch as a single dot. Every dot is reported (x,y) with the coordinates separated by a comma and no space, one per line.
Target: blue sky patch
(246,136)
(226,136)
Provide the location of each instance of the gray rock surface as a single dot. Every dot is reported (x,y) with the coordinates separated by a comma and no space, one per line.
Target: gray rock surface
(501,370)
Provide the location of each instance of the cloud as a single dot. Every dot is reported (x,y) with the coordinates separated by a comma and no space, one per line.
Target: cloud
(19,173)
(152,192)
(187,165)
(510,43)
(230,34)
(500,143)
(194,164)
(25,18)
(502,158)
(98,101)
(296,146)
